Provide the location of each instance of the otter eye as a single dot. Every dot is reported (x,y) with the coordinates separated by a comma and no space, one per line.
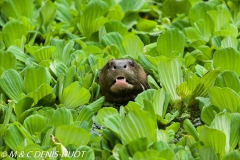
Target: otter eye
(131,63)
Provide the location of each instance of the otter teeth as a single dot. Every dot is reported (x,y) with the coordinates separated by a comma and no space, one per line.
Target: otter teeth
(121,79)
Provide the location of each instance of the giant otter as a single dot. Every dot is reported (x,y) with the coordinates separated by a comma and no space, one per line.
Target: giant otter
(121,80)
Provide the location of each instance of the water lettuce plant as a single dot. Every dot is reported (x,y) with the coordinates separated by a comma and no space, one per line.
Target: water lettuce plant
(50,101)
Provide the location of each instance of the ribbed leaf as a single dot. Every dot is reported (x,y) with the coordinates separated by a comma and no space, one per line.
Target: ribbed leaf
(171,43)
(234,130)
(75,96)
(34,77)
(17,9)
(228,79)
(213,138)
(31,121)
(12,84)
(132,44)
(208,153)
(10,33)
(18,53)
(44,53)
(171,75)
(222,123)
(202,88)
(116,26)
(13,137)
(225,98)
(86,114)
(113,38)
(137,125)
(89,22)
(47,12)
(88,153)
(132,5)
(103,113)
(230,41)
(67,135)
(113,123)
(61,116)
(42,92)
(227,59)
(7,60)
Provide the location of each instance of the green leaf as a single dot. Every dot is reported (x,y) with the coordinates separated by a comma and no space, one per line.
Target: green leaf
(61,116)
(7,60)
(160,102)
(227,30)
(34,77)
(88,153)
(47,12)
(116,26)
(234,155)
(75,96)
(43,53)
(63,11)
(228,79)
(222,123)
(66,52)
(113,123)
(13,137)
(12,84)
(172,7)
(220,18)
(45,93)
(229,41)
(17,9)
(208,114)
(171,43)
(148,94)
(91,21)
(199,11)
(194,38)
(225,98)
(23,105)
(86,114)
(213,138)
(113,38)
(138,145)
(11,34)
(103,113)
(31,121)
(132,5)
(234,129)
(137,124)
(96,105)
(151,154)
(115,12)
(181,154)
(67,135)
(146,25)
(18,53)
(188,126)
(132,44)
(171,75)
(203,86)
(227,59)
(208,153)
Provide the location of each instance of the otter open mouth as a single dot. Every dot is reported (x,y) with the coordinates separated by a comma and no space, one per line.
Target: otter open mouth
(121,83)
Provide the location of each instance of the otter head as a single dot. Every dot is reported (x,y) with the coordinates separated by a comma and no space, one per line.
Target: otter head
(121,80)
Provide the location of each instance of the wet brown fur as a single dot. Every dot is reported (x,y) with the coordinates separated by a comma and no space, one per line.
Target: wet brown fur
(128,69)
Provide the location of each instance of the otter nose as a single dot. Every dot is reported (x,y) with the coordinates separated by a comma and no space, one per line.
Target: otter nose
(120,65)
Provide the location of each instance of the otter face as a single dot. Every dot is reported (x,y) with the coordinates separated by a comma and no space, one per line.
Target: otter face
(121,80)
